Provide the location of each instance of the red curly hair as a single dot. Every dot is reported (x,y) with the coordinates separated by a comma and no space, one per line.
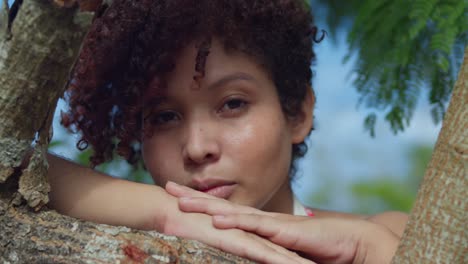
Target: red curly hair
(133,41)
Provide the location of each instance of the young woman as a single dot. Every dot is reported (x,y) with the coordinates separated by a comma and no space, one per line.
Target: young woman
(215,96)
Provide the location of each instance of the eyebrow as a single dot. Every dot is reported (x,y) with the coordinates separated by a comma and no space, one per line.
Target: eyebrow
(237,76)
(230,78)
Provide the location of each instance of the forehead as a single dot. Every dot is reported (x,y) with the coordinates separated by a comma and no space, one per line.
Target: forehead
(219,64)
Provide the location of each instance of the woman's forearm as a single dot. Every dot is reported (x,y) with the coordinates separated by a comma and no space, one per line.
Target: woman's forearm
(83,193)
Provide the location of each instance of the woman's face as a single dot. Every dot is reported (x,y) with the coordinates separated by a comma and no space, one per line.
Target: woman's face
(224,134)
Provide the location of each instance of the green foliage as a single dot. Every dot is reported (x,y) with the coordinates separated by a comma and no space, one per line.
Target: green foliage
(369,123)
(337,14)
(324,196)
(403,47)
(55,144)
(139,174)
(388,193)
(384,192)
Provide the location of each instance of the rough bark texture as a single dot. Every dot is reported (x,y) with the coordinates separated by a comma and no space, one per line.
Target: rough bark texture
(46,237)
(437,229)
(35,59)
(34,64)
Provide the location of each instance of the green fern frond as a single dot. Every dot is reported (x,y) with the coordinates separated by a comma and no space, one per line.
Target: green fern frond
(419,14)
(403,47)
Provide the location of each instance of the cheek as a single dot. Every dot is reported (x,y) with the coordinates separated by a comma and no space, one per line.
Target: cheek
(160,160)
(261,145)
(260,153)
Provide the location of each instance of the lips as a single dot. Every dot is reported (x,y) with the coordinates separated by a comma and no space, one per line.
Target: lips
(223,191)
(219,188)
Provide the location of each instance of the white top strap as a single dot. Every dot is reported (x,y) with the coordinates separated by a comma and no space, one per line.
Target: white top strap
(298,208)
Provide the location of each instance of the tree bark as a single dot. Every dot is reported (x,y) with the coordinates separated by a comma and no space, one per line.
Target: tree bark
(47,237)
(437,228)
(35,59)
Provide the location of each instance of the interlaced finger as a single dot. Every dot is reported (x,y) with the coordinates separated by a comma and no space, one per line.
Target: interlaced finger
(214,206)
(259,249)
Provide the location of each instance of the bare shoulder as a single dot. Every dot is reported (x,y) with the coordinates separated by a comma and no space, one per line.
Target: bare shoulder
(393,220)
(325,213)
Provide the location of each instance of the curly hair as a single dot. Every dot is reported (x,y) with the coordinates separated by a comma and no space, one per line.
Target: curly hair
(133,41)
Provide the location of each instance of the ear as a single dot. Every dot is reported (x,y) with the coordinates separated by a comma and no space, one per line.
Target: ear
(303,122)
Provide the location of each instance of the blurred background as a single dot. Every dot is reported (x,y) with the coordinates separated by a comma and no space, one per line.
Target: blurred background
(349,166)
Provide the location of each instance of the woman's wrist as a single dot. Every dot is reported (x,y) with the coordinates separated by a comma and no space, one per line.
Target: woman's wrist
(161,207)
(378,245)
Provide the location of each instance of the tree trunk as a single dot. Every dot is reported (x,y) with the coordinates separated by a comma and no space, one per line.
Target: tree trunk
(35,58)
(437,228)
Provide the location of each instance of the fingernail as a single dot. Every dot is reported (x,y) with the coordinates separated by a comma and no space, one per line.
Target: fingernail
(219,217)
(173,184)
(185,199)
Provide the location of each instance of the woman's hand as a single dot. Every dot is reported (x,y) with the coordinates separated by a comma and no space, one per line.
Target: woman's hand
(238,242)
(324,240)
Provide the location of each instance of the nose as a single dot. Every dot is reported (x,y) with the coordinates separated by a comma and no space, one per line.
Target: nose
(201,146)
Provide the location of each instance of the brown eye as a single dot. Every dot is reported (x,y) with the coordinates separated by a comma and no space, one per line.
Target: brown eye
(163,118)
(234,104)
